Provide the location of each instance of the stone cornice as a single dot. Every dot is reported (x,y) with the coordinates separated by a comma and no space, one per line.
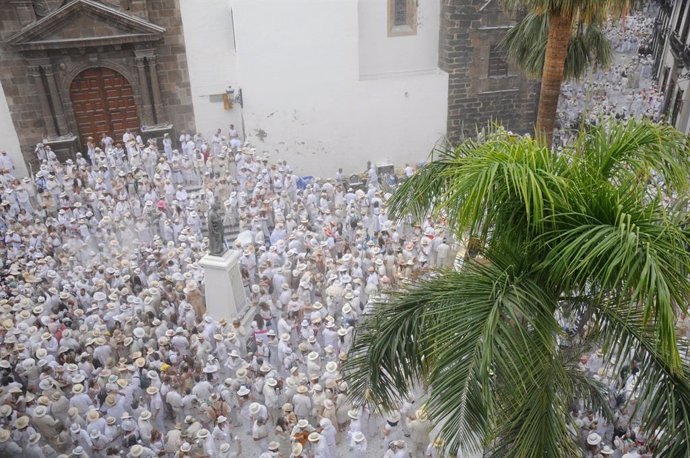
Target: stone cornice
(133,29)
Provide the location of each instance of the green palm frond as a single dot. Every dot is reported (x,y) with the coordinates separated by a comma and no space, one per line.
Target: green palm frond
(501,180)
(663,393)
(454,333)
(638,151)
(586,11)
(598,232)
(526,45)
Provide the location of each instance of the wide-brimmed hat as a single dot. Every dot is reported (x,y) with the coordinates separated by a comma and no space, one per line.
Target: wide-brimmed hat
(136,450)
(314,437)
(145,415)
(21,422)
(593,439)
(243,391)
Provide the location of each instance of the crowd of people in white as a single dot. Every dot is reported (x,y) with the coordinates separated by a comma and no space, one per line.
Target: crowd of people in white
(623,91)
(106,349)
(106,346)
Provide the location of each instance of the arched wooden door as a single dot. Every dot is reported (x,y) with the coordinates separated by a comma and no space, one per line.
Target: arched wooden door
(103,102)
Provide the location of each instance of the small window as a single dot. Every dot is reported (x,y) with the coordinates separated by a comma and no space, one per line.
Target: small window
(498,61)
(402,17)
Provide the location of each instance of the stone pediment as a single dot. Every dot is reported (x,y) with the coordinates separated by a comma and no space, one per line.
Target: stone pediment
(85,23)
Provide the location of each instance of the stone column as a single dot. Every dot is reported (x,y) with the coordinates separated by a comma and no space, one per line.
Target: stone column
(145,95)
(55,98)
(155,89)
(35,72)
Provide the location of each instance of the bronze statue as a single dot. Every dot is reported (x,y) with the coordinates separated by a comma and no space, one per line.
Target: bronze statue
(216,237)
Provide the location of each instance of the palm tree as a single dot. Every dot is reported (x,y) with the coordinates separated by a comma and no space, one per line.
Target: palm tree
(594,235)
(562,21)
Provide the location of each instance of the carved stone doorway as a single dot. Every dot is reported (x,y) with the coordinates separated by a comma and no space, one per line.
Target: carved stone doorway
(103,102)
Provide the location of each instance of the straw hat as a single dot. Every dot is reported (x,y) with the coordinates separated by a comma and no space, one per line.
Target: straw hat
(110,400)
(314,437)
(145,415)
(21,422)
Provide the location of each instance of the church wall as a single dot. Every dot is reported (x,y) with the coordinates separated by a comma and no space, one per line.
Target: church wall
(209,39)
(21,85)
(381,54)
(475,99)
(304,100)
(8,137)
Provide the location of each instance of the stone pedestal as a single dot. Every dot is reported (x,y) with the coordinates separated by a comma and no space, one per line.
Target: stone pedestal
(225,296)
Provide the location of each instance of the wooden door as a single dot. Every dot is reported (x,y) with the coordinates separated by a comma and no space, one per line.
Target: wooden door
(103,102)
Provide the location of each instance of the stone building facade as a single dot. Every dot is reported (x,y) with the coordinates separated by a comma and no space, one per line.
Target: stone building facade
(73,69)
(482,86)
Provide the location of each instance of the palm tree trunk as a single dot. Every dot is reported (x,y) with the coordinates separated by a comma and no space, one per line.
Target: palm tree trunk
(552,77)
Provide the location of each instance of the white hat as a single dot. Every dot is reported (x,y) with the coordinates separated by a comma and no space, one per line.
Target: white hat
(593,439)
(243,391)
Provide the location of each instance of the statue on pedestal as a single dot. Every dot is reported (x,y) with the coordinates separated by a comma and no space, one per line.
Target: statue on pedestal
(216,237)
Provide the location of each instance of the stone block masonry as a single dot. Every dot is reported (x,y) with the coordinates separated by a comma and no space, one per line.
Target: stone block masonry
(468,30)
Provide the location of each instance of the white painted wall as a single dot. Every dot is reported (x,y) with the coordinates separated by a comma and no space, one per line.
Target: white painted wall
(9,141)
(299,67)
(380,54)
(299,64)
(208,34)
